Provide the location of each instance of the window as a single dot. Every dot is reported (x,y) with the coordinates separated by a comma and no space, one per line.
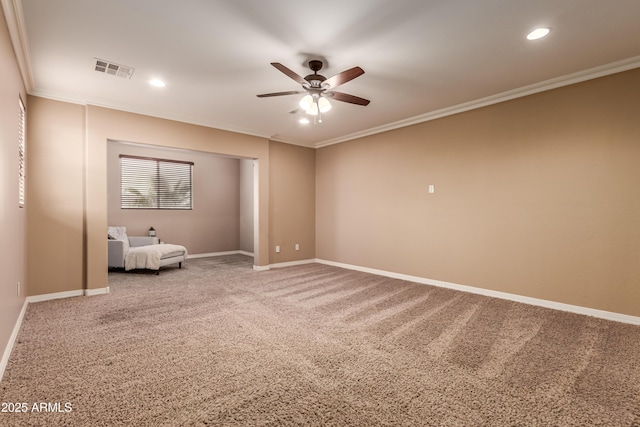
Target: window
(148,183)
(21,152)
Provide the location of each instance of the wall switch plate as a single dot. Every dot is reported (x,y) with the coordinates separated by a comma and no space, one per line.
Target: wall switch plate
(18,288)
(297,246)
(277,249)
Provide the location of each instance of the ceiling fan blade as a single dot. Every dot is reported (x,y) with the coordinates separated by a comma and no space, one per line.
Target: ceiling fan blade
(289,73)
(289,92)
(344,77)
(345,97)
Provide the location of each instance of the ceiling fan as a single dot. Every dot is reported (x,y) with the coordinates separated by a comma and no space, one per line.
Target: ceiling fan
(318,88)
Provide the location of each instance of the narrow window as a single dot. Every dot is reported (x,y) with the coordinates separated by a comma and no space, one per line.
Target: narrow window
(149,183)
(21,152)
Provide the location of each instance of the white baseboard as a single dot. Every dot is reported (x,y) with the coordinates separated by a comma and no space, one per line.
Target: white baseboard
(283,264)
(608,315)
(12,339)
(55,295)
(292,263)
(99,291)
(68,294)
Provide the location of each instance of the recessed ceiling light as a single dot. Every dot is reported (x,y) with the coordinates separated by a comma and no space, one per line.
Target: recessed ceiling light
(157,83)
(538,33)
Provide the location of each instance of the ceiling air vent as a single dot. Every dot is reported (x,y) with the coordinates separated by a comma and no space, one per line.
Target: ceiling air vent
(114,69)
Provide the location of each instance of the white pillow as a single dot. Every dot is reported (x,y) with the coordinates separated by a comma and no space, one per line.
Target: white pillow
(117,233)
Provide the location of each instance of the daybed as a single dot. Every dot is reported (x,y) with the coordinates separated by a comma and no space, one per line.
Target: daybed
(141,252)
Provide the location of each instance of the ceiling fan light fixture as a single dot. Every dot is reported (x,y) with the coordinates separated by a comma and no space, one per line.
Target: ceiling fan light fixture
(313,109)
(324,105)
(306,102)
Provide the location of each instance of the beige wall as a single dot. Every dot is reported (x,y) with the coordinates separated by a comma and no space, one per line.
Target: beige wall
(292,202)
(536,197)
(213,225)
(12,218)
(56,196)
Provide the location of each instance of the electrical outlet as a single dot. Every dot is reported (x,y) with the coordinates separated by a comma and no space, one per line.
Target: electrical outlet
(297,246)
(432,188)
(277,249)
(18,288)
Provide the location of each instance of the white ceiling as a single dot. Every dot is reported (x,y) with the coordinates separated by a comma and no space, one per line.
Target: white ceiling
(422,58)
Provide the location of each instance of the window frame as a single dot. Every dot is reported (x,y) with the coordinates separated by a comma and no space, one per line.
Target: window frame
(158,194)
(22,152)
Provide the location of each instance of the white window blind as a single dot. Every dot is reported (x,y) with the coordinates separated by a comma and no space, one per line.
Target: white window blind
(149,183)
(21,152)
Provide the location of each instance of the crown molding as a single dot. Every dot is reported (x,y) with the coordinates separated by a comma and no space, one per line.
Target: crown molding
(578,77)
(18,34)
(278,138)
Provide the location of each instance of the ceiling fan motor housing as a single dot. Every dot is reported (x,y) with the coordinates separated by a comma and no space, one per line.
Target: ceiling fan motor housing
(315,79)
(315,65)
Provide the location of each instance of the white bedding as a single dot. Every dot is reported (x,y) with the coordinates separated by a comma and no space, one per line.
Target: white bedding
(149,256)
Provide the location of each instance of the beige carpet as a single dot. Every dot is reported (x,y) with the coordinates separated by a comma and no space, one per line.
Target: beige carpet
(217,343)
